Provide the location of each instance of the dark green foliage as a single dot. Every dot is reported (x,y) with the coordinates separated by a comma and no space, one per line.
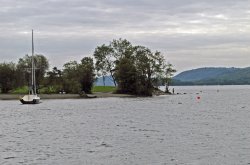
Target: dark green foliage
(121,48)
(24,69)
(14,76)
(7,76)
(126,76)
(53,82)
(108,56)
(87,76)
(71,77)
(134,68)
(79,77)
(144,63)
(54,77)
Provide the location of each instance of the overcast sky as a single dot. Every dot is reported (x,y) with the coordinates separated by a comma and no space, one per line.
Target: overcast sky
(190,33)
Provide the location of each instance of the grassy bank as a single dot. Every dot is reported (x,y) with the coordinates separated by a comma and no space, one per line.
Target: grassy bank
(53,90)
(103,89)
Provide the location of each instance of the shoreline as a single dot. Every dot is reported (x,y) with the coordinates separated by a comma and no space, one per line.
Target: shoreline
(65,96)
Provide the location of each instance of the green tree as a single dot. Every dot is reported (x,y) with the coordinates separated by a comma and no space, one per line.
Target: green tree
(135,68)
(126,76)
(107,57)
(169,72)
(7,76)
(79,77)
(122,48)
(105,62)
(70,77)
(54,79)
(24,69)
(149,67)
(54,76)
(87,75)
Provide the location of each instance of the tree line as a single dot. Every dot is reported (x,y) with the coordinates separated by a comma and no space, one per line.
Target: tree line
(134,69)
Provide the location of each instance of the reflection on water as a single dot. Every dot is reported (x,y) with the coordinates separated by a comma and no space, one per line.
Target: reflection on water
(179,129)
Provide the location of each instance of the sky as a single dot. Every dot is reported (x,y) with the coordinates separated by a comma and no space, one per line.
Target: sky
(189,33)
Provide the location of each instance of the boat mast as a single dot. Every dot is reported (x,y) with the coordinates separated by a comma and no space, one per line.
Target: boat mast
(33,69)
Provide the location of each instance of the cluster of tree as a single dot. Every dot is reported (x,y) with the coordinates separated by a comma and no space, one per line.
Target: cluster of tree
(16,75)
(74,77)
(79,76)
(134,69)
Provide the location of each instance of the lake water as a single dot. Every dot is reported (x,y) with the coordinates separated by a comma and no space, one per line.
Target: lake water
(177,129)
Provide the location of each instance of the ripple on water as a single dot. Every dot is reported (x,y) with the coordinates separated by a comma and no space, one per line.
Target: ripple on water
(155,130)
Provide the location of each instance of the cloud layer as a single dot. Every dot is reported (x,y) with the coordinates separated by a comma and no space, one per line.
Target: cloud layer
(191,33)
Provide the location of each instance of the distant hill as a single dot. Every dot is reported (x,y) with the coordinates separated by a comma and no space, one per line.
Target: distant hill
(108,81)
(203,73)
(213,76)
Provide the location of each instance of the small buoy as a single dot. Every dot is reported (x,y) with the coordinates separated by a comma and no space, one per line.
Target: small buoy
(198,97)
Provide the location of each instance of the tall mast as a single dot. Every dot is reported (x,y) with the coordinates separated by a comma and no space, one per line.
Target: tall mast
(33,68)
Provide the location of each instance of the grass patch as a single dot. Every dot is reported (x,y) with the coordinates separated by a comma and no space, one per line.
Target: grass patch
(104,89)
(20,90)
(48,90)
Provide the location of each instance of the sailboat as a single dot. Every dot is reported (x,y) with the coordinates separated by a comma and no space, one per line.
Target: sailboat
(32,97)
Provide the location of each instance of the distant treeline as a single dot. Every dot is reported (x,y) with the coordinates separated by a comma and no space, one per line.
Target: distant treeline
(134,69)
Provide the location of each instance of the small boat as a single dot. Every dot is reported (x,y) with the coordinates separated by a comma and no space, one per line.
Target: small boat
(32,97)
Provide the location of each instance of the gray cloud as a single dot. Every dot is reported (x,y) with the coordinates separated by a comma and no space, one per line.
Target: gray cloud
(191,33)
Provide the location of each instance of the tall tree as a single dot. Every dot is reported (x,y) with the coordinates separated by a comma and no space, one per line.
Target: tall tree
(107,57)
(169,72)
(144,62)
(87,75)
(79,77)
(126,76)
(71,77)
(105,61)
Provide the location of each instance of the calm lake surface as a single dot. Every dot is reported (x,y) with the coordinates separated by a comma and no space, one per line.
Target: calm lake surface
(178,129)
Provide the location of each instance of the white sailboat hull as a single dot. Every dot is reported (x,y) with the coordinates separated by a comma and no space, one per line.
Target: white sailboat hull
(30,99)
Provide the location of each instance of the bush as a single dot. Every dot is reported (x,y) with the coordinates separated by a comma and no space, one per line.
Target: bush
(21,90)
(49,90)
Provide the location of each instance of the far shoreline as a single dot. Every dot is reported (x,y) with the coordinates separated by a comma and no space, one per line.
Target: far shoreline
(75,96)
(65,96)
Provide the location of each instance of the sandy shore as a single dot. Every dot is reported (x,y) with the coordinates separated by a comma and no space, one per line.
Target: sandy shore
(63,96)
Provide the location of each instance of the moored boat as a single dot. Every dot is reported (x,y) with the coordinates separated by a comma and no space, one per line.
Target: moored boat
(32,97)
